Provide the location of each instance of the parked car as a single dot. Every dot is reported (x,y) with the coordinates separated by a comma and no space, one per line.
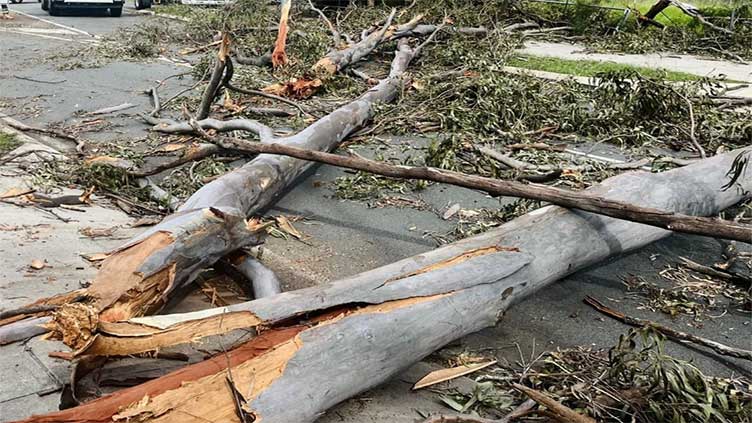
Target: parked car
(54,7)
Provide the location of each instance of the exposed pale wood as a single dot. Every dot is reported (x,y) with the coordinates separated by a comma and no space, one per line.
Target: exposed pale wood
(279,57)
(560,412)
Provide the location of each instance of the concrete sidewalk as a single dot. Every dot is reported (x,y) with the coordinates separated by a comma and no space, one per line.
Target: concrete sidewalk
(670,61)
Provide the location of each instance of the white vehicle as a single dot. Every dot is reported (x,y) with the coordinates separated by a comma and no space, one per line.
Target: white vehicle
(54,7)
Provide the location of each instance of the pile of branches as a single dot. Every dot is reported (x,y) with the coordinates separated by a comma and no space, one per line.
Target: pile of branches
(636,380)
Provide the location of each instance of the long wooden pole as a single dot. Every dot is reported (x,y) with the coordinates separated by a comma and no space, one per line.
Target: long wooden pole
(673,221)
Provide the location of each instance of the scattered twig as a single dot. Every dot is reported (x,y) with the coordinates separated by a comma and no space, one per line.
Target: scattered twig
(80,145)
(669,332)
(25,78)
(559,411)
(10,157)
(112,109)
(716,273)
(521,410)
(118,197)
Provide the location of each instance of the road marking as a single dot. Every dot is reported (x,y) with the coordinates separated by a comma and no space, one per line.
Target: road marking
(46,31)
(599,158)
(70,28)
(50,37)
(174,62)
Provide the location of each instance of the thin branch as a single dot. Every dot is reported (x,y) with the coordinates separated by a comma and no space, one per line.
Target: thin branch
(335,34)
(264,132)
(80,145)
(559,411)
(669,332)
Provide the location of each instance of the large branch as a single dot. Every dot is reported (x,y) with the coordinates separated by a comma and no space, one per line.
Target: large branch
(139,277)
(578,200)
(330,342)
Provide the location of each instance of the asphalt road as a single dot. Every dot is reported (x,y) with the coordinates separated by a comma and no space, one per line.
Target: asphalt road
(91,21)
(51,72)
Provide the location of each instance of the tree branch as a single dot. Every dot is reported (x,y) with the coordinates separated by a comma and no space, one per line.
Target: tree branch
(578,200)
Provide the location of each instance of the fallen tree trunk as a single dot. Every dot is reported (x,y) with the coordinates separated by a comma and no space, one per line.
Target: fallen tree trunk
(330,342)
(139,277)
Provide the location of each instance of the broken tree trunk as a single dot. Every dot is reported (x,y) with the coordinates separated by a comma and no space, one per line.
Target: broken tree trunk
(139,277)
(330,342)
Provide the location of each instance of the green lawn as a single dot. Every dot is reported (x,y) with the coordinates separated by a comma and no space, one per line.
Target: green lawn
(591,67)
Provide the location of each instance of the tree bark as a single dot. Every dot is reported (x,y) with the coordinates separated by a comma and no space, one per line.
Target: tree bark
(139,277)
(657,8)
(330,342)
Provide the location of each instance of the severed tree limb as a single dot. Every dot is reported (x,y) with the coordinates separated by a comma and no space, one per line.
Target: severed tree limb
(259,61)
(330,342)
(582,201)
(657,8)
(692,11)
(669,332)
(560,412)
(336,60)
(222,66)
(279,57)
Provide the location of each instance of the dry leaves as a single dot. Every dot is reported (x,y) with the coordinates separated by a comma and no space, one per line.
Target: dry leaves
(37,264)
(444,375)
(284,224)
(295,88)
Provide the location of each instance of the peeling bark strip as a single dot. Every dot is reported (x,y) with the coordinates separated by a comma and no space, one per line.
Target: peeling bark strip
(349,349)
(140,276)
